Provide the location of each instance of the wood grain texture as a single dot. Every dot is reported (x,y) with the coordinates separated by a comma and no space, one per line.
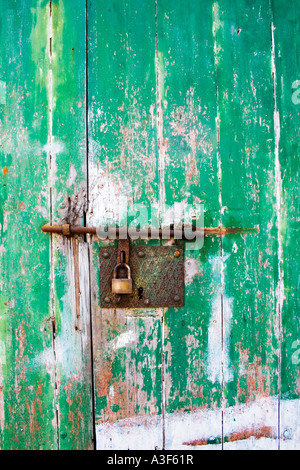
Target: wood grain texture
(27,373)
(154,104)
(46,377)
(123,163)
(247,148)
(286,69)
(189,149)
(70,269)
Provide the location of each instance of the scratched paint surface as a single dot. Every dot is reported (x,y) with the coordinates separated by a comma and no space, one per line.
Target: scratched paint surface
(123,163)
(287,69)
(27,376)
(217,133)
(67,147)
(189,134)
(45,393)
(187,102)
(247,148)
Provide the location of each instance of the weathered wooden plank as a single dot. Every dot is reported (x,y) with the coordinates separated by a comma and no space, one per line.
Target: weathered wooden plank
(27,374)
(187,108)
(123,164)
(248,197)
(286,70)
(68,180)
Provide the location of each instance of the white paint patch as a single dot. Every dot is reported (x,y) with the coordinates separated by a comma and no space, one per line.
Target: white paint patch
(234,247)
(54,148)
(278,186)
(182,429)
(191,269)
(110,195)
(72,176)
(215,355)
(130,434)
(2,92)
(290,427)
(217,262)
(124,339)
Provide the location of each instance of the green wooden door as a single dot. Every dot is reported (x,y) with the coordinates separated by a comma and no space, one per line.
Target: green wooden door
(162,104)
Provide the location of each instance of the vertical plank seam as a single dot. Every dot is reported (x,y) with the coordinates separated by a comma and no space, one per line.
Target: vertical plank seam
(50,131)
(85,224)
(279,292)
(219,165)
(86,110)
(159,123)
(161,197)
(163,401)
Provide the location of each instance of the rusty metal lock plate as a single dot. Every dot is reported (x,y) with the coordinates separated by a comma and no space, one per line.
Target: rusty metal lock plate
(157,277)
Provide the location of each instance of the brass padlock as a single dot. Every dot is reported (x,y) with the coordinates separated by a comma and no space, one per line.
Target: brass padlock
(121,286)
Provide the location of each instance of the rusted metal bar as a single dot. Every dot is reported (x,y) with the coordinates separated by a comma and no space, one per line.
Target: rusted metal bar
(69,230)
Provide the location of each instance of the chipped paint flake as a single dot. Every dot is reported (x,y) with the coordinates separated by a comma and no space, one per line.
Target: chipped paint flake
(2,92)
(218,362)
(124,339)
(255,428)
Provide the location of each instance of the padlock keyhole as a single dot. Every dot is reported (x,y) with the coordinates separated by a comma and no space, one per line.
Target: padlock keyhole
(140,292)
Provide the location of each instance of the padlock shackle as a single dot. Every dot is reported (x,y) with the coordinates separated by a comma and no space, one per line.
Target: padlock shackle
(116,268)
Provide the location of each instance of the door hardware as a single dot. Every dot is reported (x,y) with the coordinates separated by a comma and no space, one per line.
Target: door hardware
(121,285)
(69,230)
(153,276)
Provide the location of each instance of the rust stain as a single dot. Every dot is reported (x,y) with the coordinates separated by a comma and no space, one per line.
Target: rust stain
(74,417)
(20,335)
(77,283)
(262,432)
(122,398)
(5,170)
(257,377)
(35,410)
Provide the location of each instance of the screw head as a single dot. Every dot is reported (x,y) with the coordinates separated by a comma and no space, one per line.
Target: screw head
(177,253)
(146,301)
(105,255)
(176,298)
(107,300)
(141,254)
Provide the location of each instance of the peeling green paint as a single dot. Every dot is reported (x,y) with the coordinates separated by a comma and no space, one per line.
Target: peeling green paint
(186,102)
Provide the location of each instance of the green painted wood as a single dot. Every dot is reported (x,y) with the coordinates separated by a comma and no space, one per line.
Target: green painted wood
(68,179)
(123,163)
(188,103)
(27,374)
(46,394)
(286,74)
(248,195)
(188,94)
